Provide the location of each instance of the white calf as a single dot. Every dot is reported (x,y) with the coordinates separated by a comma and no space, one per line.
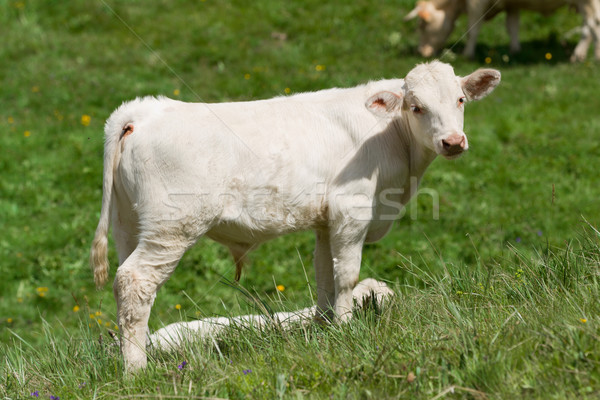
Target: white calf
(341,162)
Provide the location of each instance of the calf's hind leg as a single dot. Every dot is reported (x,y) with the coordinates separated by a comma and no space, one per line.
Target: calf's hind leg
(136,282)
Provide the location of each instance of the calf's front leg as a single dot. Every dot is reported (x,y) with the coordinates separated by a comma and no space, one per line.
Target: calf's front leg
(323,261)
(347,254)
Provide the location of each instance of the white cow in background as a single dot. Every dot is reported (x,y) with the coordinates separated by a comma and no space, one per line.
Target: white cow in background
(437,19)
(340,162)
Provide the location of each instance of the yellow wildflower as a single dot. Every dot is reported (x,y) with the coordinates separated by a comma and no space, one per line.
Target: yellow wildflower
(488,60)
(583,320)
(281,288)
(92,316)
(320,67)
(287,90)
(247,76)
(11,120)
(75,308)
(9,320)
(548,56)
(176,92)
(35,89)
(178,306)
(85,120)
(27,133)
(98,313)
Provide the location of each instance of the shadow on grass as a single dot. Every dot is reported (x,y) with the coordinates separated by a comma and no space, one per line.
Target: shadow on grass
(551,50)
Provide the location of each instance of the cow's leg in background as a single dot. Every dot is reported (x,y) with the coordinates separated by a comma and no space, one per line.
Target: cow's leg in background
(474,26)
(596,27)
(512,27)
(596,36)
(323,261)
(580,52)
(590,31)
(136,282)
(592,17)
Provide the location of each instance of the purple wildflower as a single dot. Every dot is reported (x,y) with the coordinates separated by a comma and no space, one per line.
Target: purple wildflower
(182,365)
(35,394)
(518,239)
(54,397)
(247,371)
(539,233)
(81,385)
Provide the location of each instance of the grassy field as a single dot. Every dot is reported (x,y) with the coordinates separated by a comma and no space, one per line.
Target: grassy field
(496,298)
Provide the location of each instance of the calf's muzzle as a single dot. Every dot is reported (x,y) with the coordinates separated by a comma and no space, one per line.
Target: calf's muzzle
(454,144)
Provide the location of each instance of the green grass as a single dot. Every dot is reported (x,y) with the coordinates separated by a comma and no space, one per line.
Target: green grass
(490,296)
(530,331)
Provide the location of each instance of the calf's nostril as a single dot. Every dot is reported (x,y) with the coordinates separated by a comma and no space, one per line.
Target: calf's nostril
(446,144)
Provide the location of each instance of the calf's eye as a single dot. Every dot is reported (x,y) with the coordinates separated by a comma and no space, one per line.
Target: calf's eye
(416,109)
(461,101)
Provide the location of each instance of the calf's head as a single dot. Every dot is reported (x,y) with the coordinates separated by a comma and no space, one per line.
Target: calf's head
(431,103)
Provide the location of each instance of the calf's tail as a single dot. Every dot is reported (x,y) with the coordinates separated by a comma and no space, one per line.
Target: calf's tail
(117,126)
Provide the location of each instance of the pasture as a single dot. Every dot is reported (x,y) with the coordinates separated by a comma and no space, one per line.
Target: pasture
(496,295)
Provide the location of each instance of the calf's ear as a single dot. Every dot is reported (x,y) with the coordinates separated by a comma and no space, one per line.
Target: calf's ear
(480,83)
(385,104)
